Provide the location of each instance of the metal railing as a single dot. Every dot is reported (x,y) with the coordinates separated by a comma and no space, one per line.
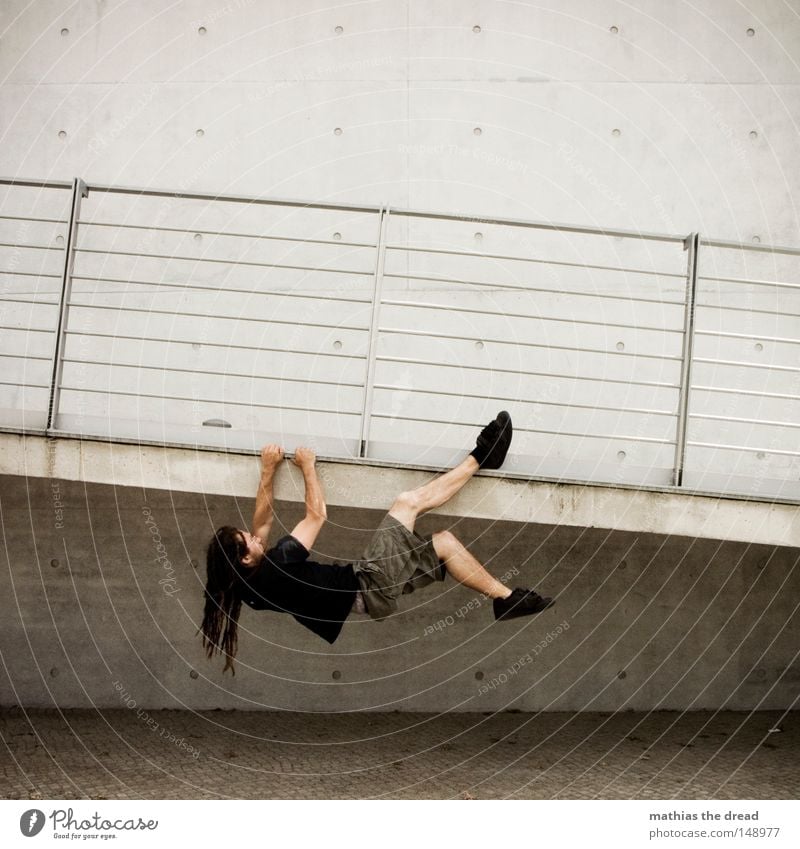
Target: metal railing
(225,321)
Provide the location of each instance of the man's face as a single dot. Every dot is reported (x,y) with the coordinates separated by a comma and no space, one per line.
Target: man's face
(255,549)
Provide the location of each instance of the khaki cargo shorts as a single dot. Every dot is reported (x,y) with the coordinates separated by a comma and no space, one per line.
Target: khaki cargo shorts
(396,561)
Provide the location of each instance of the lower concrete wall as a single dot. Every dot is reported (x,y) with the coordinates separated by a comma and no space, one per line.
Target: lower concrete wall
(643,621)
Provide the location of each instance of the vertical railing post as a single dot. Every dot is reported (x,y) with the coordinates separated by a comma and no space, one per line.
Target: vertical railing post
(691,244)
(380,260)
(79,190)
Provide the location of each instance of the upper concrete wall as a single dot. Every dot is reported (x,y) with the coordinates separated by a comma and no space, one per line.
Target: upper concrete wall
(674,116)
(371,486)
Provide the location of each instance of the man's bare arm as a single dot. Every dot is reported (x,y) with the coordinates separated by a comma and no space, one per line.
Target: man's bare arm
(316,511)
(271,456)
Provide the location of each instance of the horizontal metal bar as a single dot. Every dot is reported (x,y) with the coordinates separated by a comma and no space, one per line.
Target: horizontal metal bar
(726,334)
(542,225)
(493,369)
(223,402)
(752,392)
(225,374)
(331,297)
(750,246)
(25,329)
(33,218)
(29,274)
(520,288)
(570,228)
(522,429)
(765,422)
(30,247)
(154,311)
(519,344)
(20,385)
(737,363)
(5,300)
(744,449)
(450,308)
(779,284)
(518,400)
(249,199)
(237,262)
(36,184)
(748,310)
(254,236)
(228,289)
(27,357)
(432,214)
(536,260)
(205,344)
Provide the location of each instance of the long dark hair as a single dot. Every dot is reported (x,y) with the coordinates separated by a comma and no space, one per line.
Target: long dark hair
(223,601)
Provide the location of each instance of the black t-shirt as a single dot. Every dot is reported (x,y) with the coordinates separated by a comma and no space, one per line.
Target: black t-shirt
(318,596)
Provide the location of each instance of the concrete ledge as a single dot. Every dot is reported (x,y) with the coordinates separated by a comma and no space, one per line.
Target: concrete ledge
(489,496)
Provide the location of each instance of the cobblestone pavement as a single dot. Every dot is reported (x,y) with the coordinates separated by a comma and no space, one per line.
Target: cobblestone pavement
(166,754)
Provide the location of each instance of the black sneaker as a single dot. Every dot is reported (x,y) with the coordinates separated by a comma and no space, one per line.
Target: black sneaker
(521,602)
(493,442)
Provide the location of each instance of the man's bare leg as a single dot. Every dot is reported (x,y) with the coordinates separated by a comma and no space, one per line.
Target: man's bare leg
(441,489)
(462,565)
(457,560)
(408,505)
(465,568)
(489,453)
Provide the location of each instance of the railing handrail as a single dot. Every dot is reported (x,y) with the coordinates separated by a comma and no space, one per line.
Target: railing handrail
(408,213)
(749,246)
(35,183)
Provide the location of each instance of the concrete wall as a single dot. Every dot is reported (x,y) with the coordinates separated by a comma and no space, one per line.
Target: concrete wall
(643,621)
(672,117)
(677,116)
